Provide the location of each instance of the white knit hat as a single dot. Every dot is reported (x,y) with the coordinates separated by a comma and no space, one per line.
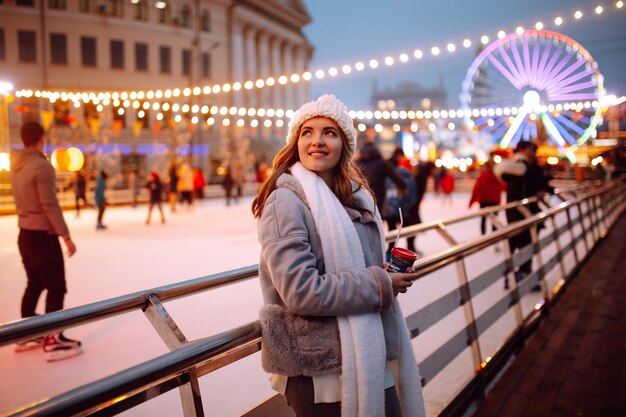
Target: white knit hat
(326,106)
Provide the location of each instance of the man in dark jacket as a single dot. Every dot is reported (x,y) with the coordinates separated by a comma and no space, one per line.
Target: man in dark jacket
(524,179)
(376,171)
(41,222)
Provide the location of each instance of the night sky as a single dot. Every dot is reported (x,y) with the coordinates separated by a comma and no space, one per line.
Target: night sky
(346,31)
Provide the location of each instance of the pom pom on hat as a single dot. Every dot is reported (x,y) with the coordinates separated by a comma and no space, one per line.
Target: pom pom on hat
(326,106)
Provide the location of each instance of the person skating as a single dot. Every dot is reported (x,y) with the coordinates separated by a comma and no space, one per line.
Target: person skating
(41,223)
(155,187)
(100,199)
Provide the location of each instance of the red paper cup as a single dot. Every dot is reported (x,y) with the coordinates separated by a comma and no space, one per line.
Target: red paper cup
(401,259)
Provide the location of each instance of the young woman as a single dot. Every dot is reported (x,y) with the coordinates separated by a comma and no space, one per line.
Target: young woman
(333,333)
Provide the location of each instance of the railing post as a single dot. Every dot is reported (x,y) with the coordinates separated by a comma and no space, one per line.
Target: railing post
(572,235)
(582,225)
(174,339)
(466,300)
(510,274)
(534,236)
(593,219)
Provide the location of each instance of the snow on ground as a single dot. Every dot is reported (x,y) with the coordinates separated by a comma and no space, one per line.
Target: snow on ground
(210,238)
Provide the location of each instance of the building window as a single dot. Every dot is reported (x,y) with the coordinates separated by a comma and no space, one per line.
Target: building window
(30,3)
(206,21)
(58,48)
(117,54)
(88,51)
(57,4)
(27,46)
(141,10)
(186,62)
(185,16)
(164,11)
(86,6)
(206,65)
(141,56)
(116,8)
(3,50)
(165,58)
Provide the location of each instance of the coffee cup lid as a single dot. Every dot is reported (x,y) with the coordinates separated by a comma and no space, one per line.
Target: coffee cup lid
(404,253)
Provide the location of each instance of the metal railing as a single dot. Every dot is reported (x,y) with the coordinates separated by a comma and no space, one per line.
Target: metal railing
(588,213)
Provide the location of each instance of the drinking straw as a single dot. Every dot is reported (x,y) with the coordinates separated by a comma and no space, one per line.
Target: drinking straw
(399,228)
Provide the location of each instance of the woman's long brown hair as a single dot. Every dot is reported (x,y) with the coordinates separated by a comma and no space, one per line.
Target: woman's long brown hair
(345,173)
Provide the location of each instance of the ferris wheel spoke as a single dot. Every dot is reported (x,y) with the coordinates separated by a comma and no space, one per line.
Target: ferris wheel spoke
(519,119)
(518,63)
(510,65)
(542,64)
(550,66)
(518,133)
(552,130)
(581,96)
(526,55)
(576,87)
(556,70)
(535,64)
(570,124)
(512,79)
(577,116)
(498,133)
(567,72)
(562,130)
(571,79)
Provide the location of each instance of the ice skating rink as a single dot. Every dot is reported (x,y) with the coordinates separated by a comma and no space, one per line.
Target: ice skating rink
(210,238)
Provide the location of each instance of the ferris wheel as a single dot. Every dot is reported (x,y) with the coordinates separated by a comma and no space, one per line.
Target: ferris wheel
(534,85)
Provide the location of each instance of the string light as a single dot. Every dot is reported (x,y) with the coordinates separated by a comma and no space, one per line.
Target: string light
(346,69)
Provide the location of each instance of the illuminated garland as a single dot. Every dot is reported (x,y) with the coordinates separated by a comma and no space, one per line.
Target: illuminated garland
(295,78)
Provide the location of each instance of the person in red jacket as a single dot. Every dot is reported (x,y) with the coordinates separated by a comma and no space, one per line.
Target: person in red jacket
(487,192)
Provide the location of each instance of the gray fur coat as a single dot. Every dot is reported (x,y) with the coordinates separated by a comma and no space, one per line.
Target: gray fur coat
(302,301)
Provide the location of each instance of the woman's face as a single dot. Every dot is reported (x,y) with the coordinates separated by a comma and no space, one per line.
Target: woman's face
(320,146)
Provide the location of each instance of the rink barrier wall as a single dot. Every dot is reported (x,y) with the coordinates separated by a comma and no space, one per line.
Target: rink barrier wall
(590,209)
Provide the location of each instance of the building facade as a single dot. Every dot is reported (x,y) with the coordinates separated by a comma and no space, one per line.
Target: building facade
(147,45)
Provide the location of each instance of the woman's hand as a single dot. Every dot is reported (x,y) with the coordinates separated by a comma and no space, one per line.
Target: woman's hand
(401,281)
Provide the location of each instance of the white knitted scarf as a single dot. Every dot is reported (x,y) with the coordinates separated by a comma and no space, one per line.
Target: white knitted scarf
(362,336)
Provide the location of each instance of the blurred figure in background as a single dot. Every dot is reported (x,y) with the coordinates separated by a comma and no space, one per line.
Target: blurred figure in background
(405,202)
(424,170)
(376,171)
(156,190)
(80,190)
(134,185)
(185,184)
(447,186)
(198,183)
(487,192)
(99,197)
(229,183)
(523,179)
(172,187)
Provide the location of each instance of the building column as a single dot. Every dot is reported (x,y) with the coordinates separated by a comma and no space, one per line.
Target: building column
(251,65)
(238,70)
(276,71)
(263,59)
(300,89)
(287,58)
